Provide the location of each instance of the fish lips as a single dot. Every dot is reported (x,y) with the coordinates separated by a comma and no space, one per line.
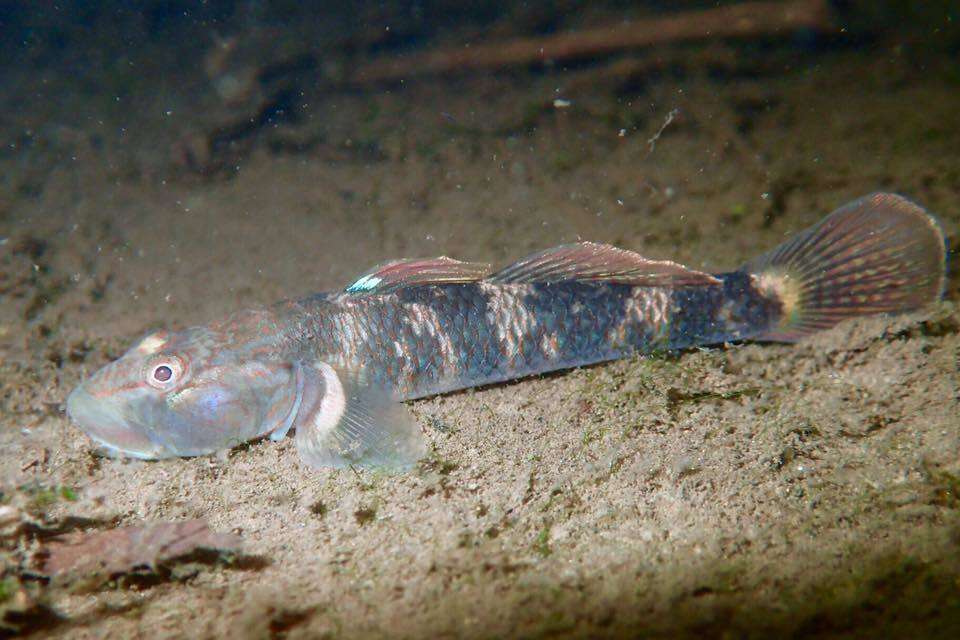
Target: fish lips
(106,424)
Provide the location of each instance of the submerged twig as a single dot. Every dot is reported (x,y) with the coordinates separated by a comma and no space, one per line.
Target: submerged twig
(738,20)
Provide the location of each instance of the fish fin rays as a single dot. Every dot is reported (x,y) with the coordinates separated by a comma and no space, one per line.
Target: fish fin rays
(581,261)
(396,274)
(593,262)
(344,421)
(879,254)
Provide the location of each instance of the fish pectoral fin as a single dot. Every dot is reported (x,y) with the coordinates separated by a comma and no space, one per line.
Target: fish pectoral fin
(345,421)
(590,261)
(405,273)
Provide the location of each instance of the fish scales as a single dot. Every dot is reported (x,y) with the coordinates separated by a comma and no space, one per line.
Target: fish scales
(434,339)
(333,368)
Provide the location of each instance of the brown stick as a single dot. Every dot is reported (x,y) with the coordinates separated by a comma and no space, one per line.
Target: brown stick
(743,19)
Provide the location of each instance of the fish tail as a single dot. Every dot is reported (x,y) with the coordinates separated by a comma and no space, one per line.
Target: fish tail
(879,254)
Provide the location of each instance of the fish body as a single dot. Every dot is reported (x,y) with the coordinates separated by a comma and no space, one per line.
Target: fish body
(429,339)
(335,367)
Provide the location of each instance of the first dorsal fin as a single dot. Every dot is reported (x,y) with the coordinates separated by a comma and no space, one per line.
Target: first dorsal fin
(589,261)
(418,271)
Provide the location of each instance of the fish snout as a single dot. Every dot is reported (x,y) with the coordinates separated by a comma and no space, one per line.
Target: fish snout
(106,423)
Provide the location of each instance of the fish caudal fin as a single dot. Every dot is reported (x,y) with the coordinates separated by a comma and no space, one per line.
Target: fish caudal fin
(879,254)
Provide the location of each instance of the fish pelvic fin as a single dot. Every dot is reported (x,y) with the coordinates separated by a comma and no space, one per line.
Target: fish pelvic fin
(344,421)
(879,254)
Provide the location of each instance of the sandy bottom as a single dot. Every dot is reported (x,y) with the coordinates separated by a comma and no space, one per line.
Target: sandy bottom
(761,490)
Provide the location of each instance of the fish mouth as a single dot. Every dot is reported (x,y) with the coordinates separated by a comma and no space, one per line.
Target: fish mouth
(105,423)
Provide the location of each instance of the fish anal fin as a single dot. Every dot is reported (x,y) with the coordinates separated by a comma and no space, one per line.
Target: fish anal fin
(590,261)
(393,275)
(343,421)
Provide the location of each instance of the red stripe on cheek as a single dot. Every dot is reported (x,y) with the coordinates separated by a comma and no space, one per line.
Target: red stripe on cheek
(103,393)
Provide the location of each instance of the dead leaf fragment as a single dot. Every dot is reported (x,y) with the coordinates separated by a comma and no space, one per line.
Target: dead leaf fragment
(118,551)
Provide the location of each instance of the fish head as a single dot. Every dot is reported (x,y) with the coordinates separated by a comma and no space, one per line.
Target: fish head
(185,394)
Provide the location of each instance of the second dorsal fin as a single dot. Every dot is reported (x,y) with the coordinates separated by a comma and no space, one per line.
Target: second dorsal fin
(590,261)
(405,273)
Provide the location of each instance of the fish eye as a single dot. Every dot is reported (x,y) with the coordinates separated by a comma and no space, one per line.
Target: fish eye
(164,372)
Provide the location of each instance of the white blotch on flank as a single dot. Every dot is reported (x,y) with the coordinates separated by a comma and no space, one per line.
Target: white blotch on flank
(649,307)
(549,346)
(424,319)
(506,312)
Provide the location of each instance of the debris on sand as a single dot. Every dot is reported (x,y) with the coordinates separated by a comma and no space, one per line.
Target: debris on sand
(116,552)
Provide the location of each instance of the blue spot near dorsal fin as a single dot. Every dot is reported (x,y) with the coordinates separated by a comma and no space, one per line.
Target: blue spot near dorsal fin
(366,283)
